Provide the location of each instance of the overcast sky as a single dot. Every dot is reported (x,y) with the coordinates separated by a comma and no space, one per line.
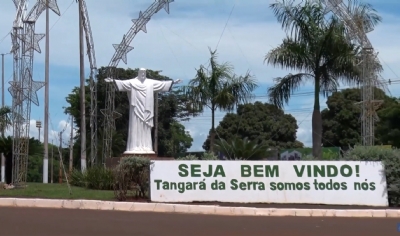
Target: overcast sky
(177,44)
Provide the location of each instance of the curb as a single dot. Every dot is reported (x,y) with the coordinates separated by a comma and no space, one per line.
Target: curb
(193,209)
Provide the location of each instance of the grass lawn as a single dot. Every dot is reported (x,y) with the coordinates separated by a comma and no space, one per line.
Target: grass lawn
(56,191)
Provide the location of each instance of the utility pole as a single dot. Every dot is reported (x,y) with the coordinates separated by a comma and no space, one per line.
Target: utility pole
(2,84)
(60,166)
(2,158)
(71,146)
(82,94)
(46,102)
(52,161)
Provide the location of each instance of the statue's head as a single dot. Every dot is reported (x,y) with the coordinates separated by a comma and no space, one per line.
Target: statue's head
(142,74)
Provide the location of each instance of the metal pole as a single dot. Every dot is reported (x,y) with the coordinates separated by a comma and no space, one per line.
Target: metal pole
(2,80)
(82,84)
(3,168)
(46,103)
(39,135)
(52,161)
(2,87)
(155,144)
(71,146)
(60,166)
(3,161)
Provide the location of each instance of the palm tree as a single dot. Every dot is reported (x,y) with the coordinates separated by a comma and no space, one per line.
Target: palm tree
(218,88)
(5,119)
(319,50)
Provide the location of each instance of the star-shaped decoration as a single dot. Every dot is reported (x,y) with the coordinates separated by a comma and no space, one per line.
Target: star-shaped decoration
(112,116)
(15,44)
(31,40)
(370,107)
(25,90)
(17,117)
(51,4)
(16,92)
(122,50)
(141,22)
(166,4)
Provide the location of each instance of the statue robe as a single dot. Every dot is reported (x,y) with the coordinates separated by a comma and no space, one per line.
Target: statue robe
(141,112)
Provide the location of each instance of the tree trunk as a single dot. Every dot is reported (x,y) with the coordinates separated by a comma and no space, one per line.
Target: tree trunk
(316,124)
(212,133)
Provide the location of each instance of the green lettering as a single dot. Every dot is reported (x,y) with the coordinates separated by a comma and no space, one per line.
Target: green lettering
(290,186)
(272,172)
(209,171)
(319,171)
(245,170)
(332,170)
(183,170)
(158,182)
(272,186)
(261,186)
(242,186)
(306,186)
(219,171)
(181,187)
(372,186)
(234,184)
(165,185)
(299,173)
(309,172)
(258,171)
(195,170)
(346,171)
(202,185)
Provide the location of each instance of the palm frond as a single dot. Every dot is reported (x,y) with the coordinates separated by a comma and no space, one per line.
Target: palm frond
(299,21)
(279,94)
(364,16)
(291,55)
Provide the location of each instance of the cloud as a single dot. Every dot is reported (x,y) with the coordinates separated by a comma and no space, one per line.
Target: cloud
(54,132)
(177,44)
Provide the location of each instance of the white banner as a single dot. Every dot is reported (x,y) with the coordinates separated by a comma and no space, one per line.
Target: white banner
(307,182)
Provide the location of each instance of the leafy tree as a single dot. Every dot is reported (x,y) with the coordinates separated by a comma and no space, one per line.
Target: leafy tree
(35,161)
(218,88)
(173,107)
(341,126)
(388,128)
(319,49)
(176,139)
(263,123)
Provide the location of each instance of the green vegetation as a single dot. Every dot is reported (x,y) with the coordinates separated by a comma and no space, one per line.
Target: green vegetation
(56,191)
(260,122)
(319,50)
(218,88)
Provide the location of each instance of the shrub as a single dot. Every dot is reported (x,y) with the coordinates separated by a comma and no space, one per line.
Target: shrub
(97,177)
(132,174)
(391,160)
(188,158)
(209,156)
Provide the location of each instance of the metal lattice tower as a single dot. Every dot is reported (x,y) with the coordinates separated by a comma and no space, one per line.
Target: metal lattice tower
(92,82)
(369,64)
(121,51)
(23,89)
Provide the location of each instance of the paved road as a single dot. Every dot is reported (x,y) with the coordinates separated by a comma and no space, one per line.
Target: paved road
(39,221)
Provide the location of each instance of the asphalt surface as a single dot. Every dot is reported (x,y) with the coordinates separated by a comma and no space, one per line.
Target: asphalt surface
(60,222)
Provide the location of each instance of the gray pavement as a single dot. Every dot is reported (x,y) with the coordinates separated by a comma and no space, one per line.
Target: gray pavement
(60,222)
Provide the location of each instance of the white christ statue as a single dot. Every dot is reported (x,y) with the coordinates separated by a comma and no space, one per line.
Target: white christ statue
(141,113)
